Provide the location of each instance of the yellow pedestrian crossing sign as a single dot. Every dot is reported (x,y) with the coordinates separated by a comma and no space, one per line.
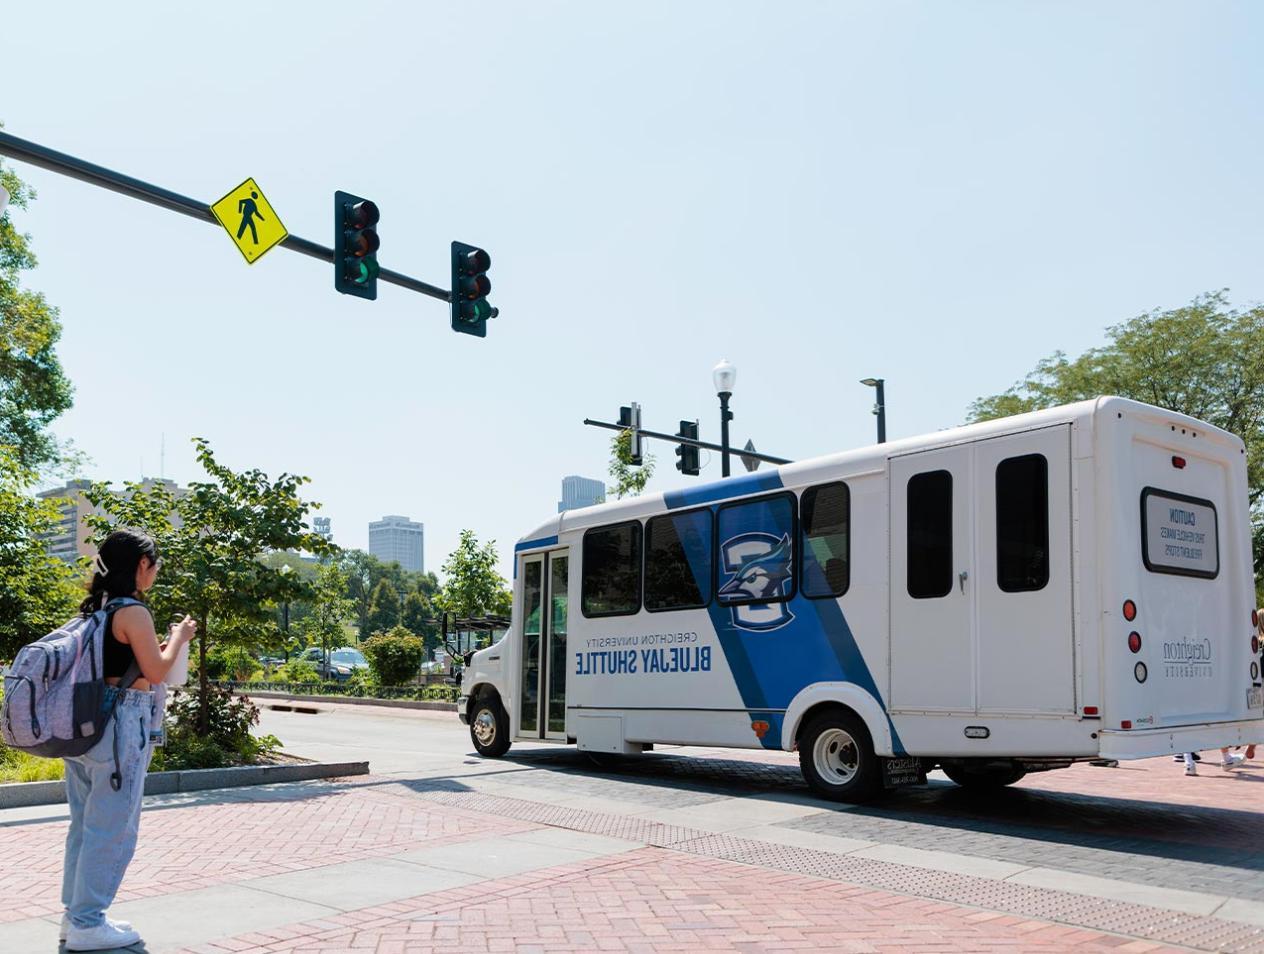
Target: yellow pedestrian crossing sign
(249,220)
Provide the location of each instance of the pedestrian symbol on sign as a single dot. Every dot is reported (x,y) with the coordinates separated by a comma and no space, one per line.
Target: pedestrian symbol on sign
(248,211)
(250,220)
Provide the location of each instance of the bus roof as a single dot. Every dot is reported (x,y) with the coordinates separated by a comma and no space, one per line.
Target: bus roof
(860,460)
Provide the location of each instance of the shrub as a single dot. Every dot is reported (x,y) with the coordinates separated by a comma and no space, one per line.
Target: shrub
(228,740)
(394,656)
(296,670)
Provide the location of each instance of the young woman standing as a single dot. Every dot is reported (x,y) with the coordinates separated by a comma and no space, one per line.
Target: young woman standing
(105,785)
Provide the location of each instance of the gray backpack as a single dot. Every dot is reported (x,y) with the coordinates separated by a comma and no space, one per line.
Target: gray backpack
(54,690)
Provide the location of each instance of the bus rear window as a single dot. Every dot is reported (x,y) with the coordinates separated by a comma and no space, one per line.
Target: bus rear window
(678,561)
(1179,534)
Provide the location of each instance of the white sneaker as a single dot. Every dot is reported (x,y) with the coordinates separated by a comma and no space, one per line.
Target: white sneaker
(103,937)
(1191,769)
(65,925)
(1231,761)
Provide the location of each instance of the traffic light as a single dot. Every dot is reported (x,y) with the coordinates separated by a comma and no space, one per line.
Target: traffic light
(630,420)
(355,245)
(688,463)
(470,288)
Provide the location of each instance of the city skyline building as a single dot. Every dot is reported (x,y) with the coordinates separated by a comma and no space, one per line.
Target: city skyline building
(69,538)
(397,539)
(581,492)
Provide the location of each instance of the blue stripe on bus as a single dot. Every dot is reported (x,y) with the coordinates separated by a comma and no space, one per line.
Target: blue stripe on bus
(531,545)
(768,674)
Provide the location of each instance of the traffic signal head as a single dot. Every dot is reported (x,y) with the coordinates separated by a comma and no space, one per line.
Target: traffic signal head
(470,288)
(630,420)
(355,245)
(688,463)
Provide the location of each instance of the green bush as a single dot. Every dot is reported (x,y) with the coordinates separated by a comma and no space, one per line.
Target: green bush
(227,741)
(394,656)
(296,670)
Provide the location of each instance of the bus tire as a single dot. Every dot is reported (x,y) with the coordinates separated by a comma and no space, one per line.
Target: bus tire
(489,727)
(985,777)
(837,759)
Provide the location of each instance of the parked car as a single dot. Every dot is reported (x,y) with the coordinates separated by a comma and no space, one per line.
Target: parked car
(343,662)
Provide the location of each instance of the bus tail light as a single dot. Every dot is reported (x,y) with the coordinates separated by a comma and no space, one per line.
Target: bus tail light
(1255,645)
(1134,641)
(1178,463)
(1130,610)
(1090,710)
(1255,619)
(1126,724)
(1140,673)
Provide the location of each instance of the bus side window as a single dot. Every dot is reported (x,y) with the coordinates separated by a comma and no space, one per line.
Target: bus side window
(1022,523)
(678,561)
(930,535)
(826,529)
(611,582)
(756,555)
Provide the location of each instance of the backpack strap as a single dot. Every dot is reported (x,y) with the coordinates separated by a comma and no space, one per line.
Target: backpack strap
(129,677)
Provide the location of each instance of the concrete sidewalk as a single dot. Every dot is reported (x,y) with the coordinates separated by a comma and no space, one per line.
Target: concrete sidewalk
(478,864)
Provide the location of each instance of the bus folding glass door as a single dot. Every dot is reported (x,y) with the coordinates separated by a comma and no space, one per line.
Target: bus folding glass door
(545,602)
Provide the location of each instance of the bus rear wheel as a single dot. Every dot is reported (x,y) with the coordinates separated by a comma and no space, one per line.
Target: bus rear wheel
(983,777)
(837,759)
(489,727)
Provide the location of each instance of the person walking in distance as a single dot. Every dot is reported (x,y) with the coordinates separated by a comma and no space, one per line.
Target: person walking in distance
(104,786)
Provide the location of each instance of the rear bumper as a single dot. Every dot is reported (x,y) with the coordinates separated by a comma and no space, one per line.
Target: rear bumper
(1146,743)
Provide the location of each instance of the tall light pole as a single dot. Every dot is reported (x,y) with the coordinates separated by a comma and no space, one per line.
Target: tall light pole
(880,408)
(725,377)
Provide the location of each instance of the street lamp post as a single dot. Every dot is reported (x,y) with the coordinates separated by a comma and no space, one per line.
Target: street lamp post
(725,377)
(880,408)
(285,616)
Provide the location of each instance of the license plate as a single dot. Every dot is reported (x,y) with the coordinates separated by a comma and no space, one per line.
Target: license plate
(902,771)
(1255,698)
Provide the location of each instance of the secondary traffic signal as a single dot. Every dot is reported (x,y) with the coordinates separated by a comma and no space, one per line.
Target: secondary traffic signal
(630,420)
(355,245)
(470,288)
(688,463)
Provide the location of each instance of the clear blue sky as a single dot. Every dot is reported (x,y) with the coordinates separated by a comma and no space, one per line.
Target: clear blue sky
(938,194)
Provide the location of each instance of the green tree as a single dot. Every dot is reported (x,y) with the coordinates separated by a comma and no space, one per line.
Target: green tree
(415,613)
(472,587)
(1205,359)
(330,610)
(212,539)
(37,591)
(394,656)
(629,480)
(33,388)
(386,605)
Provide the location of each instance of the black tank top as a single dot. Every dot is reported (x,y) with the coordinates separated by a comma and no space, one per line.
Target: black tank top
(117,656)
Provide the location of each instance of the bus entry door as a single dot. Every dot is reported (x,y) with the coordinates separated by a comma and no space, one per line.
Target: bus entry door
(542,690)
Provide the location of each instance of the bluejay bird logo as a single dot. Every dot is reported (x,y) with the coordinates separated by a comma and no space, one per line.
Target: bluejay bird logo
(761,565)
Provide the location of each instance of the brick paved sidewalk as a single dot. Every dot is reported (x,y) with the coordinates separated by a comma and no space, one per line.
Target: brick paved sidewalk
(688,891)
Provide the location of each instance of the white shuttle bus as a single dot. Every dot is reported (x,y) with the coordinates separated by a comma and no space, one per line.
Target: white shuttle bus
(996,599)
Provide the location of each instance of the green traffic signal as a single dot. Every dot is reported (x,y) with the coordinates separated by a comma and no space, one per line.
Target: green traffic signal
(470,288)
(355,245)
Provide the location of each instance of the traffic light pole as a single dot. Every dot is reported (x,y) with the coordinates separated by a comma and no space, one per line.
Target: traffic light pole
(34,154)
(677,439)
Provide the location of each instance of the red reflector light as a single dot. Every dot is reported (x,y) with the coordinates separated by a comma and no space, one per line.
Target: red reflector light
(1255,618)
(1134,641)
(1126,724)
(1255,645)
(1178,463)
(1130,610)
(1090,710)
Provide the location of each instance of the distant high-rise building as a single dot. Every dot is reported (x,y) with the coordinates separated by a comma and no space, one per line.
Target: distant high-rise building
(321,527)
(581,492)
(68,540)
(396,539)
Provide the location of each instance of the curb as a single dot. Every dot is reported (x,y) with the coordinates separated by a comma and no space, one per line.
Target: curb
(22,794)
(352,700)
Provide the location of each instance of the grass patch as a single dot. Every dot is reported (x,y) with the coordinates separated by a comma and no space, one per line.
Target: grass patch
(17,766)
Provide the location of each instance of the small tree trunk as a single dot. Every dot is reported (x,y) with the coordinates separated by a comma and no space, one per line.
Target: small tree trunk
(204,686)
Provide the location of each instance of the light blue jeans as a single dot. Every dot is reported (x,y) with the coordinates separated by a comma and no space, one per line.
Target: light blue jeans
(104,822)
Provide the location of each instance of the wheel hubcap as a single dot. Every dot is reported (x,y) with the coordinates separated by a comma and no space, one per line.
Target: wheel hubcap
(485,727)
(836,756)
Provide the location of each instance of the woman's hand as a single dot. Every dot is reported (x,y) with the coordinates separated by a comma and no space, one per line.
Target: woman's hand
(185,630)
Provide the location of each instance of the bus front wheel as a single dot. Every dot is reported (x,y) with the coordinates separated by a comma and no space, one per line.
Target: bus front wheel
(837,759)
(489,727)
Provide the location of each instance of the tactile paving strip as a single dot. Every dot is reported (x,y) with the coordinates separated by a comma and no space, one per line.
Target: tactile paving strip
(1117,917)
